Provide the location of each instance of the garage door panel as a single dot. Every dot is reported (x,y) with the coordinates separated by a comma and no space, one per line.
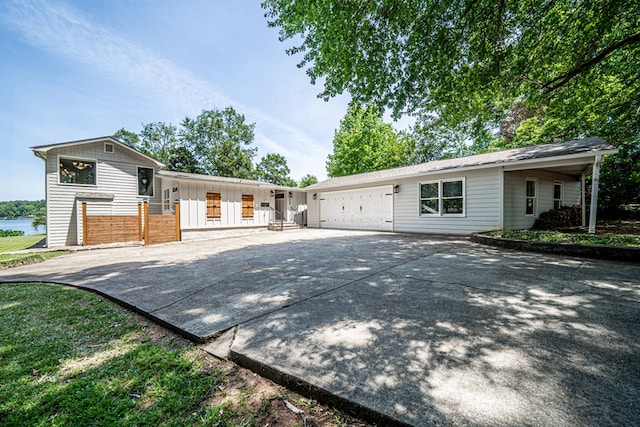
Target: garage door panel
(366,209)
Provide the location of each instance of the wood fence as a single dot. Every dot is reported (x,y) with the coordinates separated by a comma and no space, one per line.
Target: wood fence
(144,227)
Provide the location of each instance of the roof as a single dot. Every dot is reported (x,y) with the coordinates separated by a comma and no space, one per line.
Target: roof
(221,180)
(41,150)
(570,149)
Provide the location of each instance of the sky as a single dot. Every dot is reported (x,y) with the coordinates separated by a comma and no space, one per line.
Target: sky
(81,69)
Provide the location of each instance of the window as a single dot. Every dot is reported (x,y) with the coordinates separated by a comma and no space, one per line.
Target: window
(77,171)
(247,206)
(429,199)
(444,197)
(452,197)
(557,195)
(145,181)
(530,199)
(108,147)
(166,199)
(214,202)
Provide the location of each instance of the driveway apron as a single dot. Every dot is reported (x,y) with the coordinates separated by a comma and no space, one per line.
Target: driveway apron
(407,329)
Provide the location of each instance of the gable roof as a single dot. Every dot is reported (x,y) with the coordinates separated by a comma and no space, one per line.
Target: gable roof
(41,150)
(536,153)
(221,180)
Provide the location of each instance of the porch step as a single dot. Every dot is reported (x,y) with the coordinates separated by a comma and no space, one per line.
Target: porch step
(287,225)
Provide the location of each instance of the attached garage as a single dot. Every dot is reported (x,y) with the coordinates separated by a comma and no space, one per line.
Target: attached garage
(362,209)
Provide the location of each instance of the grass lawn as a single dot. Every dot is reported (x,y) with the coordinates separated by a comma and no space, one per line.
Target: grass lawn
(68,357)
(17,243)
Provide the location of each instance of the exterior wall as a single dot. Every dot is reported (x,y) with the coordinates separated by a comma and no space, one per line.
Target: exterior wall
(193,205)
(482,205)
(116,175)
(514,195)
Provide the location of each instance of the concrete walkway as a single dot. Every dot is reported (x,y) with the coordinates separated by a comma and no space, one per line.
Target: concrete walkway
(421,330)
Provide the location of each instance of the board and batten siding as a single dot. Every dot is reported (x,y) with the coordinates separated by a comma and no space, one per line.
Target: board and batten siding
(193,205)
(116,175)
(313,209)
(482,205)
(515,195)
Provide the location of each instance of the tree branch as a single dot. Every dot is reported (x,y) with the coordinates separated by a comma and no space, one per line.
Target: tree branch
(560,81)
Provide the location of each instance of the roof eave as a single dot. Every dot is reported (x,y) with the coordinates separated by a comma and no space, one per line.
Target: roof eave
(510,164)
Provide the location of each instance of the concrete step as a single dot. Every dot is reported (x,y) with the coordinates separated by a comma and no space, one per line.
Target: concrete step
(287,225)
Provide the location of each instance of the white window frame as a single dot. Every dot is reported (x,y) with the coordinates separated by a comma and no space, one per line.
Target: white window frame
(81,159)
(153,183)
(534,197)
(441,198)
(561,184)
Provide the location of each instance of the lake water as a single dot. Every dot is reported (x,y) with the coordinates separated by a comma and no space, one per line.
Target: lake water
(20,225)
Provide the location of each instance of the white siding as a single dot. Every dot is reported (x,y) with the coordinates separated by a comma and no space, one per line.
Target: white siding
(514,195)
(116,174)
(313,209)
(193,205)
(482,205)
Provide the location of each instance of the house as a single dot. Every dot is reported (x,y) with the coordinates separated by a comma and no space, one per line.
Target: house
(492,191)
(104,182)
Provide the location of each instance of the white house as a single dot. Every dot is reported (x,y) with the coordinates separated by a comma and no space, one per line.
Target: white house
(110,179)
(500,190)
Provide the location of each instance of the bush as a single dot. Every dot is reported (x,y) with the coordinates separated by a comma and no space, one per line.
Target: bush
(11,233)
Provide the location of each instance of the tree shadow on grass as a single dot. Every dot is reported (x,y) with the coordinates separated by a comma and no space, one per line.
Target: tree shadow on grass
(425,329)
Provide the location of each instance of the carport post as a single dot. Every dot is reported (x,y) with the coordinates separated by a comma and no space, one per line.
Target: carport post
(595,178)
(84,223)
(146,222)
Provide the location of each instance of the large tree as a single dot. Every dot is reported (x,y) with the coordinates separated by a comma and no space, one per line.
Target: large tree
(308,180)
(364,142)
(487,74)
(273,168)
(221,140)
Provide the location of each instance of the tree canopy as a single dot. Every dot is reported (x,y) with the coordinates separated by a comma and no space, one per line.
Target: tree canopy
(273,168)
(308,180)
(364,142)
(483,74)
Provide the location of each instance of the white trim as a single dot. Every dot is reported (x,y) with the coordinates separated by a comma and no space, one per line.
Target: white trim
(561,199)
(72,158)
(153,182)
(441,198)
(535,196)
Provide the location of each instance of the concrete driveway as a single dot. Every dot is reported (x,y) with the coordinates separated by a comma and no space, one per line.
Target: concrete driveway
(421,330)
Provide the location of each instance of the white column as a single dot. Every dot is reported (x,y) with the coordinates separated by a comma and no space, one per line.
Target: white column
(595,177)
(583,202)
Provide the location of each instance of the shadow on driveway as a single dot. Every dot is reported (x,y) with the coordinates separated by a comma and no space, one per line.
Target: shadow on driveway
(421,330)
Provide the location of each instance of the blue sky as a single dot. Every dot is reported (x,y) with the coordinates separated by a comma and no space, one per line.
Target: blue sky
(81,69)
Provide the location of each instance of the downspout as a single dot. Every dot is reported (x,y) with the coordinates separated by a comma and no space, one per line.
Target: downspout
(594,194)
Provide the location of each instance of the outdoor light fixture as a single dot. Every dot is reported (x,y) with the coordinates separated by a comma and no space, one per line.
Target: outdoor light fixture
(396,188)
(272,193)
(315,196)
(290,194)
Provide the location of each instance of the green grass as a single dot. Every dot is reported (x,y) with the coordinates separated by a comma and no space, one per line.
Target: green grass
(579,238)
(16,243)
(69,358)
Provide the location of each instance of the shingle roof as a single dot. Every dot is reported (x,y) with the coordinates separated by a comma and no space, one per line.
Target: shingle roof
(589,146)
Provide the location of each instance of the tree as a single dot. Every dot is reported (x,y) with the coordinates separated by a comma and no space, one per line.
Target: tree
(220,141)
(181,159)
(129,138)
(158,139)
(39,218)
(487,75)
(273,168)
(308,180)
(364,143)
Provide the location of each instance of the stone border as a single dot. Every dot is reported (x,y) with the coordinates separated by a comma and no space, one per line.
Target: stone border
(615,253)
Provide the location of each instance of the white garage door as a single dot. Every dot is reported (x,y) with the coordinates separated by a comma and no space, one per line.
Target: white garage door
(363,209)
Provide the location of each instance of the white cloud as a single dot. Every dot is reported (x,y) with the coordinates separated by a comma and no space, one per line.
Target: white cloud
(66,32)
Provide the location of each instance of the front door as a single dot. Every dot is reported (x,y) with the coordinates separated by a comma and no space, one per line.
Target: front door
(280,206)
